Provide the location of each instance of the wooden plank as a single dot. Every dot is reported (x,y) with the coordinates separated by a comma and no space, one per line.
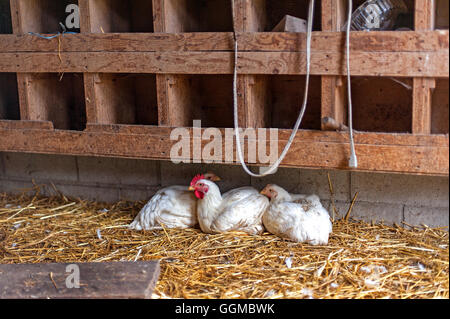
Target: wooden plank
(395,153)
(433,64)
(124,280)
(422,88)
(14,125)
(382,41)
(22,78)
(422,104)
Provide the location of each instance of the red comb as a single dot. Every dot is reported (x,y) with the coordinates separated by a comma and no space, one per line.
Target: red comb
(197,178)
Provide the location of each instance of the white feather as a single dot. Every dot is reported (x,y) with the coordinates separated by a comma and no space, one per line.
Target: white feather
(172,207)
(304,220)
(240,209)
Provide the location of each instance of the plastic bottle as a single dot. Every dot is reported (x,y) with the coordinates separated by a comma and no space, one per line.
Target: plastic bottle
(377,15)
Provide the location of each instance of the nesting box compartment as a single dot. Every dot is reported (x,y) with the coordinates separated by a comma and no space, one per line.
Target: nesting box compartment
(9,99)
(126,99)
(58,98)
(276,101)
(208,98)
(43,16)
(382,105)
(198,16)
(112,16)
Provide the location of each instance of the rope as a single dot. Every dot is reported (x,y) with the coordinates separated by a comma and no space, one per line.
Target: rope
(353,161)
(272,169)
(51,36)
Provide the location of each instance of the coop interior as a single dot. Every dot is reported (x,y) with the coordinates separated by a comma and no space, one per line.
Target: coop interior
(58,98)
(82,103)
(276,101)
(119,16)
(42,16)
(9,100)
(5,18)
(387,102)
(126,99)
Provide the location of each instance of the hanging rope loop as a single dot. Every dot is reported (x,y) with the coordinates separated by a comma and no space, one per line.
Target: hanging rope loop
(272,169)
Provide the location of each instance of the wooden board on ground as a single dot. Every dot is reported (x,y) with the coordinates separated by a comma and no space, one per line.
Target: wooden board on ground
(96,280)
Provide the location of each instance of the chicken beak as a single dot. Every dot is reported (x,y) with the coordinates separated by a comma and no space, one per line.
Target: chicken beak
(191,188)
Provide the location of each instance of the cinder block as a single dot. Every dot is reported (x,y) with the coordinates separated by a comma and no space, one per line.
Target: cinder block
(91,193)
(117,171)
(377,212)
(433,217)
(2,166)
(316,182)
(138,194)
(16,187)
(288,178)
(181,174)
(40,167)
(412,190)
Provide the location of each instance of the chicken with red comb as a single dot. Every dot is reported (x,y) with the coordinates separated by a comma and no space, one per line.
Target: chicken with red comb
(171,207)
(239,210)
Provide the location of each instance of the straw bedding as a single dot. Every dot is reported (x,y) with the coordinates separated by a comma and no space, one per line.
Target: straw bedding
(362,260)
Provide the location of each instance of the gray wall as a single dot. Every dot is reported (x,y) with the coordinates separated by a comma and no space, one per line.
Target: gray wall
(389,197)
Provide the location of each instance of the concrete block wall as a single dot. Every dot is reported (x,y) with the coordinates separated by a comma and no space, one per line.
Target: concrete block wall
(392,198)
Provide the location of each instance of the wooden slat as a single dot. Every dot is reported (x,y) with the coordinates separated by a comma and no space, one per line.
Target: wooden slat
(125,280)
(383,41)
(14,125)
(433,64)
(422,88)
(399,153)
(422,103)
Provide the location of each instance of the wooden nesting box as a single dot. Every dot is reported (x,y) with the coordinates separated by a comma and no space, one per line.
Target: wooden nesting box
(139,68)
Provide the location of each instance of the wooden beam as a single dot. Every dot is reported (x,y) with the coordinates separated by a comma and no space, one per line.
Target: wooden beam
(422,103)
(430,64)
(423,88)
(23,79)
(394,153)
(329,42)
(124,280)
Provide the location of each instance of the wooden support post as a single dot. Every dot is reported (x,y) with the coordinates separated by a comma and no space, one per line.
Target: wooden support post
(22,78)
(423,87)
(126,280)
(255,88)
(89,78)
(160,25)
(334,96)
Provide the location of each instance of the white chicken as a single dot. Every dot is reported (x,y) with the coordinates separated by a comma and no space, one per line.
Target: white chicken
(173,206)
(296,217)
(238,210)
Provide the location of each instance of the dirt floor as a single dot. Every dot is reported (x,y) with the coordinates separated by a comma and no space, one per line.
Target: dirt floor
(361,260)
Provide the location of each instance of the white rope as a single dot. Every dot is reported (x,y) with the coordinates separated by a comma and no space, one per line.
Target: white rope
(353,161)
(275,166)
